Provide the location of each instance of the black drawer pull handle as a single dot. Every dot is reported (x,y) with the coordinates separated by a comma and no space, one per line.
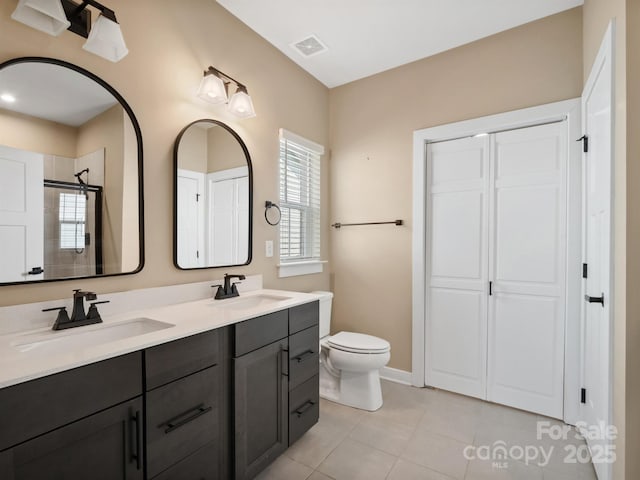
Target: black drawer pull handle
(176,421)
(304,408)
(303,356)
(599,299)
(136,453)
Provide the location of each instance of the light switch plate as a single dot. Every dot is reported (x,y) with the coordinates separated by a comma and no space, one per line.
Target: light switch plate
(268,248)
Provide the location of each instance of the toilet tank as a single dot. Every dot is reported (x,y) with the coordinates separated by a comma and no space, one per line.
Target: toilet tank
(325,312)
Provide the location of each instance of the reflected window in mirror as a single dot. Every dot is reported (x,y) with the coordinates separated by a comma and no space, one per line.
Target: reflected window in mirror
(70,175)
(212,197)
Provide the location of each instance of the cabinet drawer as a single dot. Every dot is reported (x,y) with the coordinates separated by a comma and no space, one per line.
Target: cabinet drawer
(303,316)
(32,408)
(260,331)
(303,356)
(173,360)
(304,408)
(182,417)
(201,465)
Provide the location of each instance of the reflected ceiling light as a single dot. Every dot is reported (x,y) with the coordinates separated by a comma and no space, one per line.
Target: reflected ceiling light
(54,16)
(7,97)
(214,88)
(45,15)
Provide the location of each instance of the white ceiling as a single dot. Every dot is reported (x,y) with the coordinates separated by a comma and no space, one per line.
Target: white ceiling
(365,37)
(53,93)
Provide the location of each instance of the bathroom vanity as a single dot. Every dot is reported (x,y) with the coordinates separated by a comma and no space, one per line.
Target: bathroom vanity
(218,394)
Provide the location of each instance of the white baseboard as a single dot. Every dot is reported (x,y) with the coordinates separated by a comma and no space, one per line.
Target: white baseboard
(395,375)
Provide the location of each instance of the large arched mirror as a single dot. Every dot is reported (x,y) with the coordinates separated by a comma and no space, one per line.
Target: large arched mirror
(213,196)
(70,175)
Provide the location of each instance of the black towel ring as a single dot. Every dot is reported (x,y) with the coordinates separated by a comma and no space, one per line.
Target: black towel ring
(267,205)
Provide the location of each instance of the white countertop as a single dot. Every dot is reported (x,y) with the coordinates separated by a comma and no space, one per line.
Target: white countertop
(187,319)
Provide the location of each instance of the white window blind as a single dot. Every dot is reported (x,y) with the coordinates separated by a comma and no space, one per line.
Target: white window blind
(299,198)
(72,216)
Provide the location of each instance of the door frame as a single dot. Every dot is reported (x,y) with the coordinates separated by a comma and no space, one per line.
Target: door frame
(567,109)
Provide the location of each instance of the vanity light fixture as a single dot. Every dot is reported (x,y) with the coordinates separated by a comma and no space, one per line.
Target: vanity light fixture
(214,88)
(45,15)
(54,16)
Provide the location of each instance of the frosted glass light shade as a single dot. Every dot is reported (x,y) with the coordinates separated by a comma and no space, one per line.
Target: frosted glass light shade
(212,89)
(44,15)
(106,40)
(241,105)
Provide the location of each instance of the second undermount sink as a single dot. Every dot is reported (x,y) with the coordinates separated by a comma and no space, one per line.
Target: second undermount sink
(83,337)
(253,301)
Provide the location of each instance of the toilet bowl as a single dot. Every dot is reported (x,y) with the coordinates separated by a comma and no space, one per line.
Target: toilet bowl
(350,363)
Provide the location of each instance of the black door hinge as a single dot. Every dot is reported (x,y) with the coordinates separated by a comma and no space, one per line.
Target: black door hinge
(197,197)
(583,395)
(490,288)
(197,253)
(585,269)
(585,143)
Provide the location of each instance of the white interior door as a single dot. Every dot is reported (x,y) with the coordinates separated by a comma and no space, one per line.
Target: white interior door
(21,215)
(457,197)
(222,230)
(190,230)
(597,252)
(527,262)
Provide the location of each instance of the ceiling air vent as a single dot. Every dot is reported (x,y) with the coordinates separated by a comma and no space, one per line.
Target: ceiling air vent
(310,46)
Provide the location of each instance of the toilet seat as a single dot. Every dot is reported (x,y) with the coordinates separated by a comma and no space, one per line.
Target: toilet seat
(358,343)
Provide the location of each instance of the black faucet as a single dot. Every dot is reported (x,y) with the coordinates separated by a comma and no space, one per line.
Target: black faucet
(78,315)
(228,290)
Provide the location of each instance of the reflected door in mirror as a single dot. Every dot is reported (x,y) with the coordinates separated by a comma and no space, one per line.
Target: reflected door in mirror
(213,197)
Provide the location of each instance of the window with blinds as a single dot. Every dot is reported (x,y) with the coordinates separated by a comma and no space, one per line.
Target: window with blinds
(72,217)
(299,198)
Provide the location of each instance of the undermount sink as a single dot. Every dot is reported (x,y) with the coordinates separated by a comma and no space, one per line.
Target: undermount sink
(253,301)
(83,337)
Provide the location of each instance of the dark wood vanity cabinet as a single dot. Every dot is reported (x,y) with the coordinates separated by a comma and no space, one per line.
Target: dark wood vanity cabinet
(275,371)
(187,408)
(81,423)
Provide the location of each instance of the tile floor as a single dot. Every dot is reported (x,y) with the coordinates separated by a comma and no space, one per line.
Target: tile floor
(422,434)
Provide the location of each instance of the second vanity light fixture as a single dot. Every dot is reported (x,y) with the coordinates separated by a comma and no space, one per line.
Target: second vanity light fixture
(214,88)
(55,16)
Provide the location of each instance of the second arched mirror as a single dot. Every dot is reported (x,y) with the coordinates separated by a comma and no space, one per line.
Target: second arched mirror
(213,197)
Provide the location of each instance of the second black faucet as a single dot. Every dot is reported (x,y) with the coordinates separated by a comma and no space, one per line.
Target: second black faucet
(228,290)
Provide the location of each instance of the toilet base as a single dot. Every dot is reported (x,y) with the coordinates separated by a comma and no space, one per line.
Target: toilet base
(354,389)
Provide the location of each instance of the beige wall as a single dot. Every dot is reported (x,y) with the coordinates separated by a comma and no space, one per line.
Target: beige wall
(192,152)
(632,393)
(223,151)
(37,135)
(372,123)
(159,79)
(106,131)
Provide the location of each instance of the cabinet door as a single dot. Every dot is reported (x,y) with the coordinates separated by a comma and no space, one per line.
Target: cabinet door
(104,446)
(261,408)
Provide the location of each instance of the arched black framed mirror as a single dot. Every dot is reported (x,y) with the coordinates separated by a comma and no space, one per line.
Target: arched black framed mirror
(71,186)
(213,197)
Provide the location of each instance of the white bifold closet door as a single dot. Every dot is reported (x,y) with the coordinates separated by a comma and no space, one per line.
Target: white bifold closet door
(496,279)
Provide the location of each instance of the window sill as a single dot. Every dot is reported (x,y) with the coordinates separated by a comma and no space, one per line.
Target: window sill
(300,268)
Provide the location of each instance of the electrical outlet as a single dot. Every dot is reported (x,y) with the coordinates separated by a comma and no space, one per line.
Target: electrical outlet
(268,248)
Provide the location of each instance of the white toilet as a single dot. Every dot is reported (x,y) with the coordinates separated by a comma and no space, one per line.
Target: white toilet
(350,363)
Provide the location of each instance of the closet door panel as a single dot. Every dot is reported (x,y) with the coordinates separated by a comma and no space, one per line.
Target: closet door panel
(457,235)
(457,324)
(527,238)
(527,268)
(457,218)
